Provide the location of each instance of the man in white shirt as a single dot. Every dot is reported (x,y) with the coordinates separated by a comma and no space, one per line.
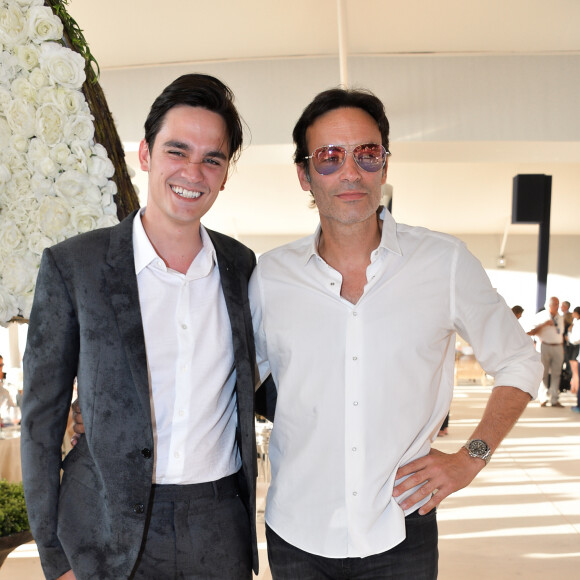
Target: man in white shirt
(362,388)
(549,328)
(152,318)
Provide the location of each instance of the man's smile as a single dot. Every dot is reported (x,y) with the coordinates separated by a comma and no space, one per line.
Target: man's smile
(182,192)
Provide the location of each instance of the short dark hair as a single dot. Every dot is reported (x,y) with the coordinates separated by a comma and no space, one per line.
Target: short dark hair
(517,309)
(338,98)
(197,90)
(577,310)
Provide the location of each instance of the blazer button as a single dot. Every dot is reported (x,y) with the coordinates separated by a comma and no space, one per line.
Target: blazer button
(146,453)
(138,508)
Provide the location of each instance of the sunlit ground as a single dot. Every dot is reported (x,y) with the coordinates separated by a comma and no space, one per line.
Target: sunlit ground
(520,518)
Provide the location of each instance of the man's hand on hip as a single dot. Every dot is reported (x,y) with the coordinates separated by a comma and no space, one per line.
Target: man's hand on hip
(439,475)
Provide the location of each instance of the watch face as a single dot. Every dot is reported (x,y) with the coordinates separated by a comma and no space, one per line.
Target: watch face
(478,448)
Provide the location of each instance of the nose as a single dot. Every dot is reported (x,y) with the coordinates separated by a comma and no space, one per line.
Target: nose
(192,170)
(350,171)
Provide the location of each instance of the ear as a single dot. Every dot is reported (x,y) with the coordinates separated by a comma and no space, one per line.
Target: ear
(225,179)
(144,157)
(303,177)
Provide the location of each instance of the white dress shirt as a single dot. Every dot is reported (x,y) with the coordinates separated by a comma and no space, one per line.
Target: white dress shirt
(363,388)
(550,334)
(190,360)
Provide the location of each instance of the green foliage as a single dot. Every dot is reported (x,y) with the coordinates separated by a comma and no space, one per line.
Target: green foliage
(13,516)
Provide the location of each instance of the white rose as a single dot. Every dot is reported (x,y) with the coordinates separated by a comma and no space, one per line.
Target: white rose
(41,186)
(100,170)
(21,116)
(108,191)
(37,78)
(37,151)
(84,218)
(79,127)
(8,307)
(81,152)
(48,167)
(22,89)
(106,221)
(12,25)
(8,67)
(20,212)
(27,55)
(19,185)
(10,236)
(62,65)
(29,3)
(5,174)
(5,98)
(19,143)
(19,272)
(72,101)
(60,154)
(76,188)
(15,160)
(5,136)
(50,122)
(53,217)
(43,25)
(37,242)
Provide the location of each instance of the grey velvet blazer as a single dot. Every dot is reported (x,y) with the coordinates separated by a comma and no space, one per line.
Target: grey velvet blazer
(86,323)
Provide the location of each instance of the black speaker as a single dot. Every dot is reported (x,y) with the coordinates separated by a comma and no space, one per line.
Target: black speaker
(532,195)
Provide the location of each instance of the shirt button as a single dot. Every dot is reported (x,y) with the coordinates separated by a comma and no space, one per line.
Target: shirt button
(146,453)
(184,326)
(355,403)
(181,412)
(355,358)
(355,493)
(354,448)
(177,455)
(332,283)
(355,313)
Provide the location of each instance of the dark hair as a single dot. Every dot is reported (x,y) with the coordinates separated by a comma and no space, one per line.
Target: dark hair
(197,90)
(338,99)
(517,309)
(577,310)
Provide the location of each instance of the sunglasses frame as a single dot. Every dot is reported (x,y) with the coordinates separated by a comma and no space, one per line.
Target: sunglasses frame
(350,149)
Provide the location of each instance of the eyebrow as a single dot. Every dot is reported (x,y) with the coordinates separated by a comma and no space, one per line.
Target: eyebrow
(185,147)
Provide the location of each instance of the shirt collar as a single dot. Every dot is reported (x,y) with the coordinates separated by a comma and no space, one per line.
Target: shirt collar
(144,252)
(388,243)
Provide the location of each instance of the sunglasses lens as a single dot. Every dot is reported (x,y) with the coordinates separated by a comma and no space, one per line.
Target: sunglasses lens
(327,160)
(370,157)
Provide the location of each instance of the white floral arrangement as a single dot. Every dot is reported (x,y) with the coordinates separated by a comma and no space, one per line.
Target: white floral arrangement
(54,179)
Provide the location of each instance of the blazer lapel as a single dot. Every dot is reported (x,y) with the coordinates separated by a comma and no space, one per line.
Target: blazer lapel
(235,289)
(122,284)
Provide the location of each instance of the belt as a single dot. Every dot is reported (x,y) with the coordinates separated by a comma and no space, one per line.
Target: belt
(553,343)
(192,491)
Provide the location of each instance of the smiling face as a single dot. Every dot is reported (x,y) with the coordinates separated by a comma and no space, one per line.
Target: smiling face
(350,194)
(187,166)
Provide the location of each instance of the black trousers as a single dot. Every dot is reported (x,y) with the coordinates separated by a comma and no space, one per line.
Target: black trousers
(199,531)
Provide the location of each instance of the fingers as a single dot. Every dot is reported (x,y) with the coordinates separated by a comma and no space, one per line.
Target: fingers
(78,428)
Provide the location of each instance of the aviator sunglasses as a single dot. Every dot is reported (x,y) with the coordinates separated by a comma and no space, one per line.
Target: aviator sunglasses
(370,157)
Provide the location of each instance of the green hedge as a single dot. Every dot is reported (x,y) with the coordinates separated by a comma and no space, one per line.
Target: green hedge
(13,516)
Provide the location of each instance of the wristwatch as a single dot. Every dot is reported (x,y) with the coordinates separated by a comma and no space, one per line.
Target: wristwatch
(478,449)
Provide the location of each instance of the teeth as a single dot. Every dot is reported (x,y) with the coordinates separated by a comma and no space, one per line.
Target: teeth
(185,192)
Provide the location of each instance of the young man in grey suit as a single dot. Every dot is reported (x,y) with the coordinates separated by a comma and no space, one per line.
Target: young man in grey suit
(152,317)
